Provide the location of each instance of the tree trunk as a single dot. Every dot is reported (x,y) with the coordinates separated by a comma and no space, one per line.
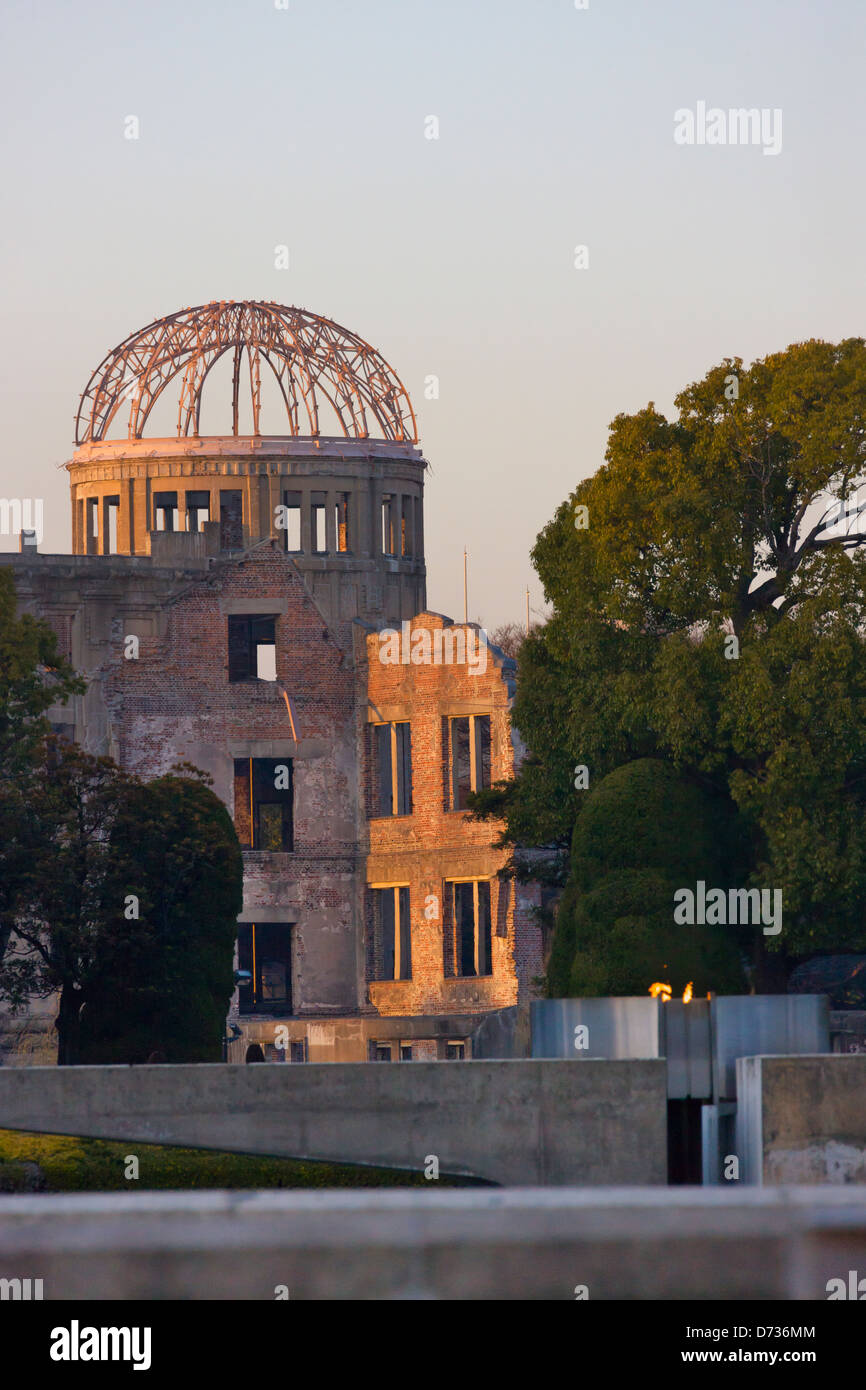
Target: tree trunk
(68,1026)
(771,970)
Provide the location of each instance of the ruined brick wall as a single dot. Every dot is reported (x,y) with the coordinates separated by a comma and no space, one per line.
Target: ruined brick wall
(433,845)
(175,703)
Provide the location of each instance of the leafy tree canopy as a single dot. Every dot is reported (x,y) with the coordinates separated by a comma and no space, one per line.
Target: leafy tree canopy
(645,831)
(708,610)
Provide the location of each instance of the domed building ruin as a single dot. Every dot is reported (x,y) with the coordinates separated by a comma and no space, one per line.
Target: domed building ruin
(342,461)
(247,592)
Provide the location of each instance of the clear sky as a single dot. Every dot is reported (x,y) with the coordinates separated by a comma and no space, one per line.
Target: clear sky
(305,127)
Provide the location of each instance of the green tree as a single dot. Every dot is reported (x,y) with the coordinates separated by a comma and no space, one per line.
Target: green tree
(32,678)
(177,864)
(128,911)
(61,939)
(711,614)
(644,832)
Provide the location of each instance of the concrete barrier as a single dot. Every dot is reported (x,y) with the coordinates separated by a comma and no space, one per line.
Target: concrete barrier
(639,1243)
(802,1119)
(511,1122)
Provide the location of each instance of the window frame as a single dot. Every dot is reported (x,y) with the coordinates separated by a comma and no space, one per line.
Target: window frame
(255,1003)
(400,767)
(170,512)
(477,759)
(192,508)
(482,930)
(342,523)
(401,931)
(247,670)
(319,523)
(293,503)
(246,770)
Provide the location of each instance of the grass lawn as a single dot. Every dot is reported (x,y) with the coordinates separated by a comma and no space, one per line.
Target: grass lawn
(60,1163)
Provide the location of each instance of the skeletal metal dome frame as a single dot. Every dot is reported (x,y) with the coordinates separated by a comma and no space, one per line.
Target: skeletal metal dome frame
(310,356)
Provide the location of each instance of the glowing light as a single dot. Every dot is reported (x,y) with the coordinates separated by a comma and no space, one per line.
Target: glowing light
(660,991)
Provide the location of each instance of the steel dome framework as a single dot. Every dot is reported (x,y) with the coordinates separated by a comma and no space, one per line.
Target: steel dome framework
(312,358)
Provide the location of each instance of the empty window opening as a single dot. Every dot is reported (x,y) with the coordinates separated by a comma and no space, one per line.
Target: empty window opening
(290,521)
(341,522)
(264,801)
(405,1052)
(252,648)
(197,510)
(467,758)
(389,532)
(231,520)
(165,513)
(265,951)
(298,1050)
(392,769)
(92,519)
(455,1051)
(318,520)
(406,527)
(380,1052)
(111,514)
(393,932)
(467,928)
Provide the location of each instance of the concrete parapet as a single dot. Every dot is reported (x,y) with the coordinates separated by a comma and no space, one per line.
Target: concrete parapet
(637,1243)
(802,1119)
(509,1122)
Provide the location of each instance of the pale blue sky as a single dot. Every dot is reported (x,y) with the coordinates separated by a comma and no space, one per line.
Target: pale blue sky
(305,127)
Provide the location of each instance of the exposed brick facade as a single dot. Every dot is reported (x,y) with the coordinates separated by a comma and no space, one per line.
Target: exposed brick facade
(175,703)
(433,845)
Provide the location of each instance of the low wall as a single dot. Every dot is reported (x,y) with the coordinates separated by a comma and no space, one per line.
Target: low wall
(802,1119)
(777,1243)
(510,1122)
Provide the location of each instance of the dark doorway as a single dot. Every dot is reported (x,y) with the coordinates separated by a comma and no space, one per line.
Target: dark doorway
(684,1142)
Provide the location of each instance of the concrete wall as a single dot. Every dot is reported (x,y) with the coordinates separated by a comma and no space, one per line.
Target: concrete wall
(802,1119)
(510,1122)
(783,1243)
(752,1025)
(630,1026)
(701,1040)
